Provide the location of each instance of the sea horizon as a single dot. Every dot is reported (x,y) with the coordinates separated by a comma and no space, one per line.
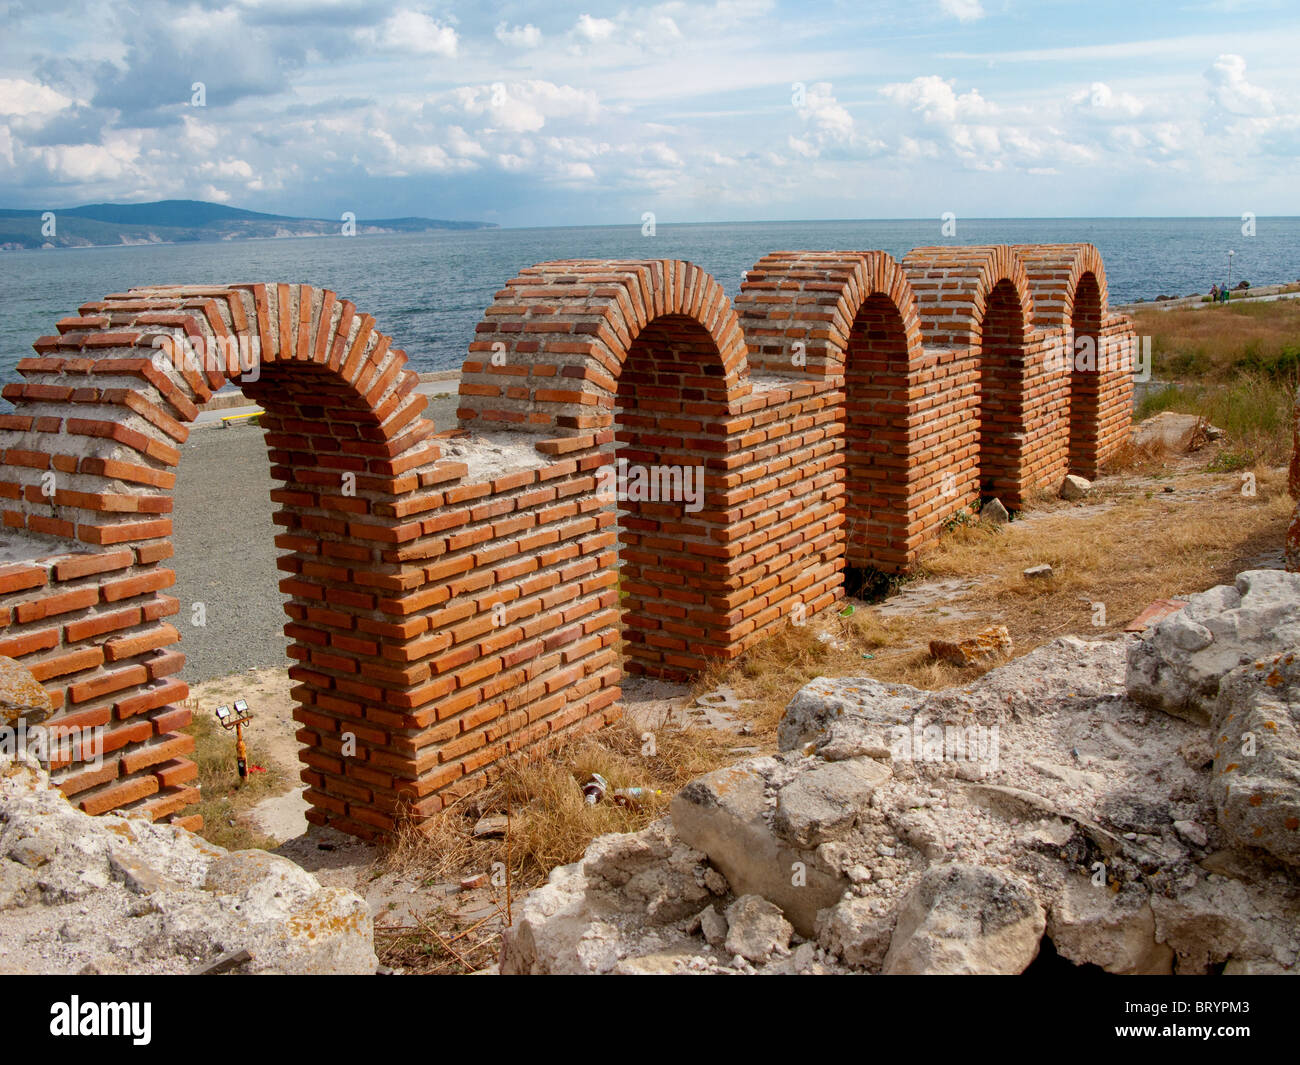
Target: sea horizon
(429,289)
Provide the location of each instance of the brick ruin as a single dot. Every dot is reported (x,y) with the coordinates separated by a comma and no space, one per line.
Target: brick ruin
(458,597)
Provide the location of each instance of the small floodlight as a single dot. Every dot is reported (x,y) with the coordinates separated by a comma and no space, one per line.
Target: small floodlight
(237,721)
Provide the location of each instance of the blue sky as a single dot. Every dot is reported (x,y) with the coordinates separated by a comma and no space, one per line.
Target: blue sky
(593,113)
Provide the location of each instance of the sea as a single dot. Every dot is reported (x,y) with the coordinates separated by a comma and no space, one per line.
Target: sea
(428,290)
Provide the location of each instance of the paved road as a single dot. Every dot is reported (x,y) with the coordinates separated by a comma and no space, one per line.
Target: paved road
(225,550)
(1259,294)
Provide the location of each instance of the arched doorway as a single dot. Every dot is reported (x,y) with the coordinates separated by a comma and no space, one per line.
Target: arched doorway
(1001,339)
(878,456)
(1085,376)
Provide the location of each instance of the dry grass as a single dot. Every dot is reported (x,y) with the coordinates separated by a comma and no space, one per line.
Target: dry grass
(1218,342)
(1132,544)
(551,824)
(1254,409)
(1147,544)
(1237,365)
(224,802)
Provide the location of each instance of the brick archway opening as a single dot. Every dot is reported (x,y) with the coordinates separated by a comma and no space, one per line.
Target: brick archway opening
(90,453)
(1085,379)
(876,437)
(668,414)
(1001,395)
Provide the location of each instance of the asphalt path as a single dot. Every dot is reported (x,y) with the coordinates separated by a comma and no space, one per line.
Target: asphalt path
(224,537)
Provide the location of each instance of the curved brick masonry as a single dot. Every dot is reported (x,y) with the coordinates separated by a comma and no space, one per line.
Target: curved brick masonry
(456,598)
(1292,547)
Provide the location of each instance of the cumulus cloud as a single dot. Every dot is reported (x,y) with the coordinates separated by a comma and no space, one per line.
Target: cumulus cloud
(593,29)
(526,36)
(524,106)
(1102,101)
(80,164)
(826,123)
(982,135)
(934,99)
(21,98)
(1230,90)
(414,32)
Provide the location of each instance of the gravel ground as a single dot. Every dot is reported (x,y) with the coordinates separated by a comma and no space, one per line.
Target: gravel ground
(225,550)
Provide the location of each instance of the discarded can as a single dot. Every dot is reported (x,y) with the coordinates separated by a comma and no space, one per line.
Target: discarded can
(633,797)
(594,790)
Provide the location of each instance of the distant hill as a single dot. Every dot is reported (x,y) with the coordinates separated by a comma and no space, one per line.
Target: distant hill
(185,221)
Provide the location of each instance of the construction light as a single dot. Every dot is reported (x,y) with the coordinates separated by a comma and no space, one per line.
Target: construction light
(237,721)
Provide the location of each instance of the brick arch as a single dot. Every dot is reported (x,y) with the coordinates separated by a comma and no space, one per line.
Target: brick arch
(1070,302)
(458,603)
(953,286)
(1055,272)
(853,315)
(547,356)
(634,362)
(813,298)
(977,313)
(90,452)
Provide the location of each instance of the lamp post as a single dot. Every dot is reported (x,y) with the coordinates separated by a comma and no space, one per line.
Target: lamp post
(1231,253)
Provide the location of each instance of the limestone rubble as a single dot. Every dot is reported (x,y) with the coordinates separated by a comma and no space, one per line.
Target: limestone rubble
(113,894)
(905,831)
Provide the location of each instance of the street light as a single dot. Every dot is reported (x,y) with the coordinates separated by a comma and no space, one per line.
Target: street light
(1231,253)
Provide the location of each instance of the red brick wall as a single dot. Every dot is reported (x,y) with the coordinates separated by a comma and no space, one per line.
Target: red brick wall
(448,609)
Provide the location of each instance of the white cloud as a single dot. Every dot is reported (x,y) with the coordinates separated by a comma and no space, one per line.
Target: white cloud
(934,99)
(403,155)
(525,106)
(826,121)
(415,32)
(230,169)
(462,144)
(19,97)
(1101,100)
(84,163)
(963,10)
(825,114)
(527,36)
(662,154)
(571,171)
(593,29)
(1230,90)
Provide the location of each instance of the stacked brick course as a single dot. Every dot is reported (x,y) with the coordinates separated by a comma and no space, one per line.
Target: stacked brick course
(449,609)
